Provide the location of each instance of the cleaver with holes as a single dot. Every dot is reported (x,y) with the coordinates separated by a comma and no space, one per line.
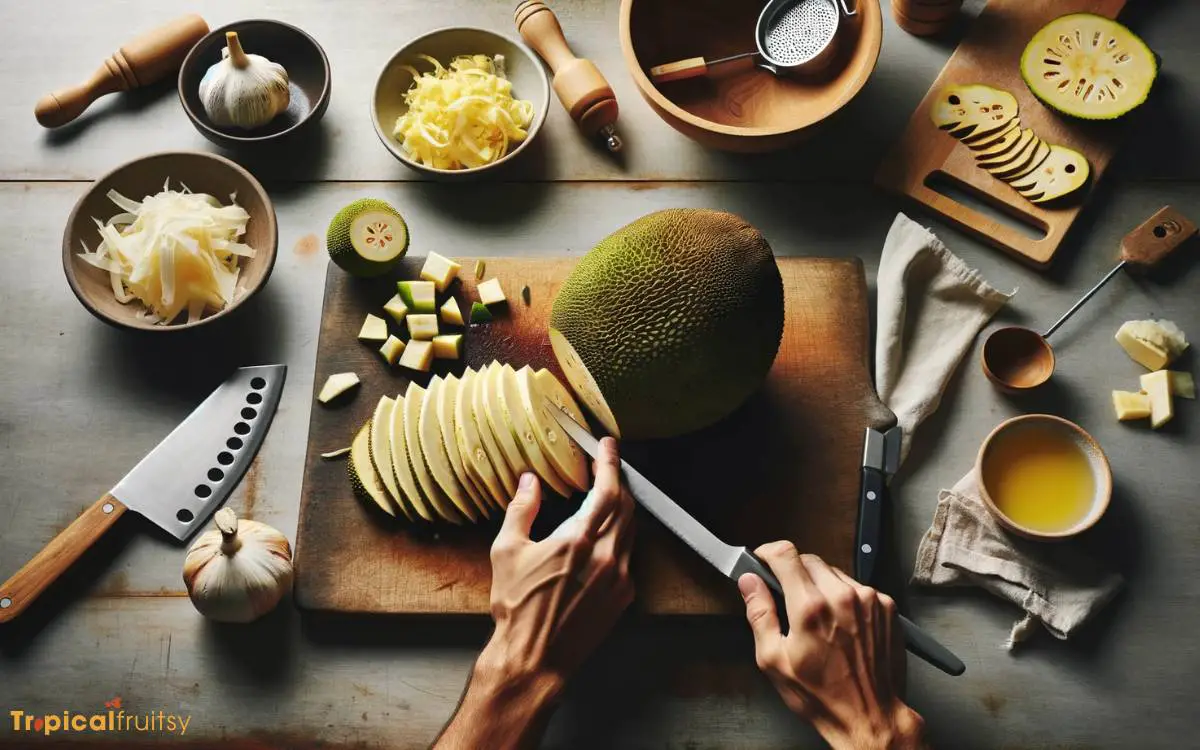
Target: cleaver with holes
(177,486)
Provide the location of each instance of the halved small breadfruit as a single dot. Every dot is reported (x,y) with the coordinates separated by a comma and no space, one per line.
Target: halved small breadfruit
(337,384)
(447,400)
(381,451)
(418,296)
(450,314)
(523,430)
(497,420)
(508,480)
(1002,146)
(973,110)
(1023,147)
(374,329)
(366,483)
(1064,171)
(1088,66)
(440,270)
(475,456)
(978,142)
(414,404)
(562,452)
(402,468)
(418,355)
(1040,153)
(430,431)
(367,238)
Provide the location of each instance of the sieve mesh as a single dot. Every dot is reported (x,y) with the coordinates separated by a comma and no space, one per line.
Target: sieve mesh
(800,31)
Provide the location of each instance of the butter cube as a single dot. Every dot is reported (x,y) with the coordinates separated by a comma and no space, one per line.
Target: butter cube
(1157,386)
(1182,384)
(1130,405)
(1153,344)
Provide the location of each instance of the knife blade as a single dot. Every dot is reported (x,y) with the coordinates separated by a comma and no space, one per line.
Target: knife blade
(178,484)
(733,561)
(881,459)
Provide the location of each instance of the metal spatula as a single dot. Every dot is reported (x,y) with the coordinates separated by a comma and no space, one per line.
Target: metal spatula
(176,486)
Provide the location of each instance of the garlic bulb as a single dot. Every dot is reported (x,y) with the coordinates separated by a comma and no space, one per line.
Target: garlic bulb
(244,91)
(238,572)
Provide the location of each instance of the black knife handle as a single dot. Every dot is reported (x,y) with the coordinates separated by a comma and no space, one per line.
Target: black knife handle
(869,537)
(917,641)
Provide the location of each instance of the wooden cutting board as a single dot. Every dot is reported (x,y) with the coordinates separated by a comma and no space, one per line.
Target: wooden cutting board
(925,156)
(785,465)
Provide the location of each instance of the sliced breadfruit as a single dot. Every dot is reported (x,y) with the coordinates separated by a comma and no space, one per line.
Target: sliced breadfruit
(422,326)
(396,308)
(525,433)
(418,296)
(440,270)
(337,384)
(374,329)
(448,346)
(498,421)
(1064,171)
(1088,66)
(480,313)
(491,293)
(1022,148)
(562,452)
(447,400)
(450,313)
(475,455)
(414,403)
(430,432)
(559,394)
(979,141)
(499,463)
(381,452)
(973,109)
(363,479)
(1001,147)
(391,350)
(1040,153)
(402,468)
(417,355)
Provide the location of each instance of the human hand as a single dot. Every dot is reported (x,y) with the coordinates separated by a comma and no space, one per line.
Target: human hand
(841,665)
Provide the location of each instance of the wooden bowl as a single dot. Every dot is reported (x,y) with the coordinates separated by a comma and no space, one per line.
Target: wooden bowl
(522,67)
(203,173)
(751,110)
(1012,429)
(298,53)
(1016,359)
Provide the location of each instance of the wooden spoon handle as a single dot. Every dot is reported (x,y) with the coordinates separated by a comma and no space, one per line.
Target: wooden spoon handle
(30,581)
(692,67)
(1155,238)
(146,59)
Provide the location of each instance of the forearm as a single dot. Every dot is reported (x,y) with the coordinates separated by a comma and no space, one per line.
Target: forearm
(504,707)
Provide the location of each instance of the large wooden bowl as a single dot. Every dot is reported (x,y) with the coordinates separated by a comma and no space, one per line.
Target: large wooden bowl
(203,173)
(751,110)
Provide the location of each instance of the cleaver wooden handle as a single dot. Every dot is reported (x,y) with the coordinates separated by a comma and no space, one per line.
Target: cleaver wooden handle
(30,581)
(1155,238)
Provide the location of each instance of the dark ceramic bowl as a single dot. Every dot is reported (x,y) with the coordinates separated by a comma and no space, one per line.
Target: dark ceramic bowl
(298,53)
(203,173)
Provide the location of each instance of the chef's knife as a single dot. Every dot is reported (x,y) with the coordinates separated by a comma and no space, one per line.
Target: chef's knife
(732,561)
(881,459)
(176,486)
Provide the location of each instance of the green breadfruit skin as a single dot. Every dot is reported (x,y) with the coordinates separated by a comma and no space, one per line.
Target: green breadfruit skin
(678,317)
(341,249)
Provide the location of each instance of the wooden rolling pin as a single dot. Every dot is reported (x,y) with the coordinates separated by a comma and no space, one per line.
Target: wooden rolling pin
(580,85)
(144,60)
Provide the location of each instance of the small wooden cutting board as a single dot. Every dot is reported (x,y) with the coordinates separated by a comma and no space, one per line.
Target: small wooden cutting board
(786,465)
(925,156)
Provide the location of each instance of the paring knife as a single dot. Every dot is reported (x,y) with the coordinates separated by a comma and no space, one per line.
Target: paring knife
(176,486)
(732,561)
(881,459)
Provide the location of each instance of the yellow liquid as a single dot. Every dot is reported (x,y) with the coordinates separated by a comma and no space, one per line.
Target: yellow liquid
(1040,479)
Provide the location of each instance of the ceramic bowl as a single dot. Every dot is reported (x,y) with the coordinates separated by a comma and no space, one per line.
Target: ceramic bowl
(751,110)
(203,173)
(1012,429)
(298,53)
(522,67)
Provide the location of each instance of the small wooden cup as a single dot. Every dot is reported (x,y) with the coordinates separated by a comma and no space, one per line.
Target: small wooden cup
(1101,472)
(203,173)
(926,17)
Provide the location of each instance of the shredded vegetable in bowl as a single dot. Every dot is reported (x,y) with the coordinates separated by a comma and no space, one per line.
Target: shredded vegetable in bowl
(461,116)
(174,251)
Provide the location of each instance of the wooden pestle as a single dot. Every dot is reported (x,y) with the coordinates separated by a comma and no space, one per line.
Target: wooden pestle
(146,59)
(579,84)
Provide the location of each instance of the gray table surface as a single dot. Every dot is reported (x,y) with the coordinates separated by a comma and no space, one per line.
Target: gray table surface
(80,403)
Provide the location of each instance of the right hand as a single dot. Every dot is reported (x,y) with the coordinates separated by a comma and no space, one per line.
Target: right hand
(841,665)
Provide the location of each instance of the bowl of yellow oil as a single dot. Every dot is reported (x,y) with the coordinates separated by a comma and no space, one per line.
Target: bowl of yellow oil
(1043,477)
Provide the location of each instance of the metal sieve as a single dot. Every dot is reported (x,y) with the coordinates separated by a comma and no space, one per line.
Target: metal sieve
(792,36)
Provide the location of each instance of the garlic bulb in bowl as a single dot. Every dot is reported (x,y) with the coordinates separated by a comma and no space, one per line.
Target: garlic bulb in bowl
(243,91)
(238,572)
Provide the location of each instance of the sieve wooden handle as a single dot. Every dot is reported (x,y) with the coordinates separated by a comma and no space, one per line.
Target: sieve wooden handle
(680,70)
(146,59)
(1155,238)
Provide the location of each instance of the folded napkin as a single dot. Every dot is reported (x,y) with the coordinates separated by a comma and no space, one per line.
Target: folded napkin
(930,308)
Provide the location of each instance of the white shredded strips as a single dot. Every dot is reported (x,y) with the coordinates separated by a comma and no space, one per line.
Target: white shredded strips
(176,252)
(461,116)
